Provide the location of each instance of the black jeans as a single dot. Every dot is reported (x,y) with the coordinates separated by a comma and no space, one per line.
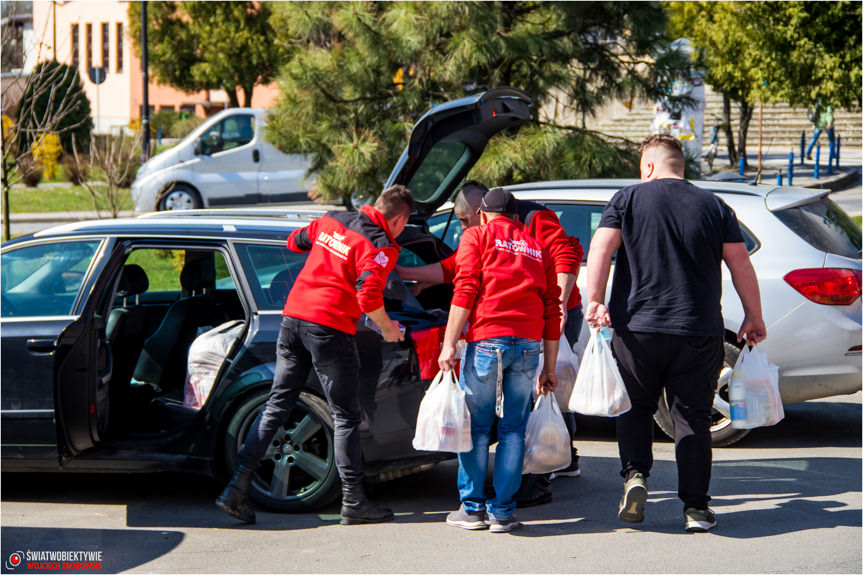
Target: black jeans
(687,367)
(333,354)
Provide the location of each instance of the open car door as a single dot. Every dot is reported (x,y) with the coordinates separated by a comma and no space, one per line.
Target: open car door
(82,369)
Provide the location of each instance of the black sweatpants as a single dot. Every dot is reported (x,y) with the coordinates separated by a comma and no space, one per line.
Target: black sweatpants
(688,368)
(333,354)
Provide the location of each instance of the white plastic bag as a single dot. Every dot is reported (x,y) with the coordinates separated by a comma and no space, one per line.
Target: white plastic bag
(566,371)
(599,389)
(547,446)
(206,355)
(754,391)
(443,421)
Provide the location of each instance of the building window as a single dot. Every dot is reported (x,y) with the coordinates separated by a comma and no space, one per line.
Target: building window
(106,45)
(76,61)
(89,47)
(119,47)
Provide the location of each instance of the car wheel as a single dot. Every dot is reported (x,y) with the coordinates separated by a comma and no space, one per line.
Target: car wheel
(721,432)
(298,471)
(180,197)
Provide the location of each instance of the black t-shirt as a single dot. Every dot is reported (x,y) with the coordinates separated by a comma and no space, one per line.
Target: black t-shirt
(668,275)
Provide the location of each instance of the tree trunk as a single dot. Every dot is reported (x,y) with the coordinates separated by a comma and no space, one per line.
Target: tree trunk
(745,116)
(233,101)
(247,96)
(726,127)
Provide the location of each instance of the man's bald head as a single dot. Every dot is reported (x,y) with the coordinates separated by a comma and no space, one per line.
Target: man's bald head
(661,157)
(467,201)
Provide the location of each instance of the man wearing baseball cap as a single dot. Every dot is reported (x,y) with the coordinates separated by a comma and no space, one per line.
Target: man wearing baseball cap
(506,286)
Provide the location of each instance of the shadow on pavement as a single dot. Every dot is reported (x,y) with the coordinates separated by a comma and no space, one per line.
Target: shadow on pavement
(121,549)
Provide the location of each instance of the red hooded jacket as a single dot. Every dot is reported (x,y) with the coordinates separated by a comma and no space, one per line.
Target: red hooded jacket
(350,256)
(507,280)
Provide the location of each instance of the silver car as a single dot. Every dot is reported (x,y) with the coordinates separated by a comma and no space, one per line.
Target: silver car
(806,253)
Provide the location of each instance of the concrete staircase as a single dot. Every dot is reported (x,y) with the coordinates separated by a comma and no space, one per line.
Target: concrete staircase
(781,122)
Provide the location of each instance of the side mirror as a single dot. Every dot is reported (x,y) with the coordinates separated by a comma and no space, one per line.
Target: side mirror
(199,147)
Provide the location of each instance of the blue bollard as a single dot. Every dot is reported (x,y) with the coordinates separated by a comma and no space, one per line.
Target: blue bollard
(742,165)
(830,153)
(838,146)
(159,135)
(802,146)
(817,161)
(779,178)
(790,167)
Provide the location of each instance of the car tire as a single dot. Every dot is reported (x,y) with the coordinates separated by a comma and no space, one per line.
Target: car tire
(296,474)
(179,197)
(721,432)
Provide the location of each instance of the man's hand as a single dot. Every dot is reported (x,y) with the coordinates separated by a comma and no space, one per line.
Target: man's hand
(597,315)
(391,332)
(446,360)
(754,330)
(545,383)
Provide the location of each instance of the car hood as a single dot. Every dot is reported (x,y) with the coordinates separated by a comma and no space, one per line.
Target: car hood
(449,139)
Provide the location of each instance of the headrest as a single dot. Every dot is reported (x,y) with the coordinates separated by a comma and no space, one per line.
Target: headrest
(198,274)
(133,281)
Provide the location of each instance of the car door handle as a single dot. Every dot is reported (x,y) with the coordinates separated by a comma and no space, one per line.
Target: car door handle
(256,155)
(41,346)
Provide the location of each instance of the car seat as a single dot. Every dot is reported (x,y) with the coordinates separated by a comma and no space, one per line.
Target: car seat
(280,286)
(162,363)
(127,326)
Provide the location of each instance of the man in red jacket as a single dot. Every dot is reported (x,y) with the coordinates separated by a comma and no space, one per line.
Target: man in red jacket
(506,286)
(350,256)
(566,252)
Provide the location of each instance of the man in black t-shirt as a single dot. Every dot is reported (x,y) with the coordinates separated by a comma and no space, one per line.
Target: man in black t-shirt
(671,238)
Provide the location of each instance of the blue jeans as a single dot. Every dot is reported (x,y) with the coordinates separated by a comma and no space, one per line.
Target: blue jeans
(815,135)
(518,359)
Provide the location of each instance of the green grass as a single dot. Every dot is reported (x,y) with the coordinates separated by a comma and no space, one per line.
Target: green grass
(47,198)
(858,219)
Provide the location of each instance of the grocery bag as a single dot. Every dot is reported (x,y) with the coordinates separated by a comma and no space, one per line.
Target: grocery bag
(599,389)
(443,422)
(566,370)
(206,356)
(547,446)
(754,391)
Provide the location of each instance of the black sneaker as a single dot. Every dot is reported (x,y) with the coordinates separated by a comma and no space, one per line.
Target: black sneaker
(631,507)
(572,471)
(503,525)
(699,521)
(465,519)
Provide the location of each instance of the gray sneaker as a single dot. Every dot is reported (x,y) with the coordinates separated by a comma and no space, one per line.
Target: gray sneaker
(468,519)
(699,521)
(634,497)
(503,525)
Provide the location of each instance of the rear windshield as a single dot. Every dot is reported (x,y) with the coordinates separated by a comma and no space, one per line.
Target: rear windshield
(824,226)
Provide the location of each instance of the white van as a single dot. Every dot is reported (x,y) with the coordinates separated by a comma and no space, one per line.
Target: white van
(225,161)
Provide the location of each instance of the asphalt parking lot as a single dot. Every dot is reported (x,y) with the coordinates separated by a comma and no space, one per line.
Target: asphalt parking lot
(788,499)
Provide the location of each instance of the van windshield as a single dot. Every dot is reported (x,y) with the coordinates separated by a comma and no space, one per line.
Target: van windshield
(824,226)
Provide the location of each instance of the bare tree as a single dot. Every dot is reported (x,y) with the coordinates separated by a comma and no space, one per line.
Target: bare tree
(31,119)
(117,159)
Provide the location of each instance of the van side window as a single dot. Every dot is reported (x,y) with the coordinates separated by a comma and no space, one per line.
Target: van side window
(230,133)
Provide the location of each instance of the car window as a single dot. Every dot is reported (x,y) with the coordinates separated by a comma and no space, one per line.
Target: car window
(271,272)
(824,226)
(442,165)
(438,225)
(231,132)
(579,220)
(44,280)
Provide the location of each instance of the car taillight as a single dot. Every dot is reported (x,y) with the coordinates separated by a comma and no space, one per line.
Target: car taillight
(828,286)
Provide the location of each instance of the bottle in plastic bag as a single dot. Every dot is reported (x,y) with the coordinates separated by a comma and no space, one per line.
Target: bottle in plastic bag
(754,391)
(443,421)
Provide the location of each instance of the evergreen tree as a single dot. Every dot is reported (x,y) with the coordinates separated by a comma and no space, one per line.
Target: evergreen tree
(209,45)
(362,73)
(54,101)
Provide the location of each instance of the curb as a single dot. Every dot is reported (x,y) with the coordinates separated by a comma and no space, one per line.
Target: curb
(836,183)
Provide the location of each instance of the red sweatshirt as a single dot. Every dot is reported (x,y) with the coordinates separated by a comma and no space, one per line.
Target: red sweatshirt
(542,225)
(508,282)
(350,256)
